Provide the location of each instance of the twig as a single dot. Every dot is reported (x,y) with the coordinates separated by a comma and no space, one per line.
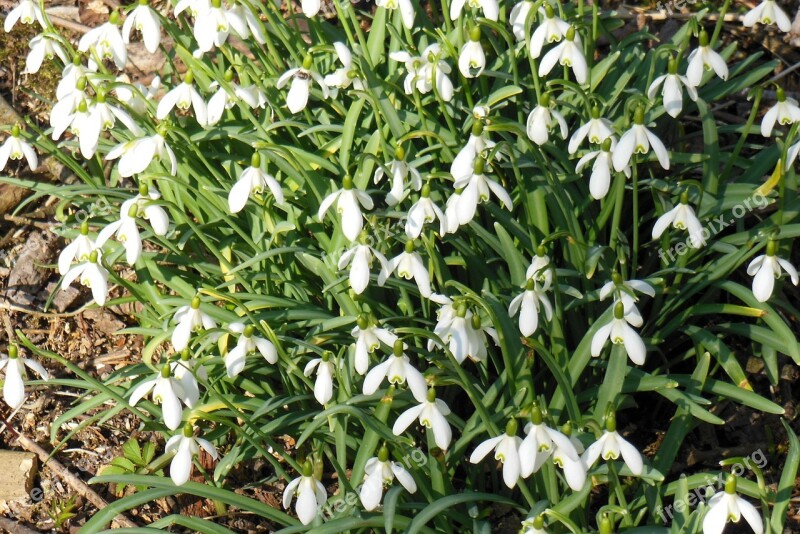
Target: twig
(74,482)
(12,526)
(68,24)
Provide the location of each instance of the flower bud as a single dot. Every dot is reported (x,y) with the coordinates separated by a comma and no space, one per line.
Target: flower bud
(611,422)
(410,246)
(619,310)
(383,454)
(780,94)
(511,427)
(186,355)
(475,33)
(606,146)
(188,77)
(255,160)
(249,330)
(431,395)
(703,38)
(399,153)
(308,62)
(165,371)
(536,414)
(196,303)
(397,349)
(13,351)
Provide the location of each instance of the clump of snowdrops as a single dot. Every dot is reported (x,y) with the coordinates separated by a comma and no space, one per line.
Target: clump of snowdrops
(426,260)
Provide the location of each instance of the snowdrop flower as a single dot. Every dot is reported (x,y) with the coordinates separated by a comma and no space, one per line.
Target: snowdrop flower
(13,384)
(505,450)
(767,12)
(569,54)
(451,212)
(247,344)
(765,269)
(253,181)
(518,16)
(540,269)
(79,250)
(406,10)
(348,205)
(638,140)
(193,6)
(360,258)
(136,96)
(413,66)
(167,391)
(624,291)
(15,148)
(144,19)
(786,111)
(527,305)
(184,371)
(702,58)
(190,319)
(462,332)
(368,338)
(399,171)
(533,526)
(540,443)
(71,113)
(26,12)
(43,46)
(380,472)
(345,76)
(609,447)
(422,212)
(239,13)
(213,24)
(671,91)
(727,506)
(310,7)
(489,7)
(552,30)
(476,190)
(184,96)
(472,60)
(541,119)
(597,130)
(323,386)
(136,155)
(106,41)
(310,495)
(398,370)
(70,76)
(127,233)
(301,78)
(433,73)
(101,117)
(408,264)
(186,446)
(600,180)
(618,329)
(91,274)
(431,414)
(681,217)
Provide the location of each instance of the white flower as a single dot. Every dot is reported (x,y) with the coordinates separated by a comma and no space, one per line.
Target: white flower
(406,10)
(540,443)
(43,46)
(476,190)
(451,212)
(600,180)
(398,370)
(79,250)
(552,30)
(399,171)
(681,217)
(224,99)
(91,274)
(360,258)
(422,212)
(125,229)
(253,26)
(194,7)
(574,470)
(247,344)
(461,330)
(597,129)
(431,414)
(184,96)
(106,41)
(213,24)
(767,12)
(533,525)
(253,181)
(433,73)
(348,205)
(702,58)
(541,119)
(310,495)
(15,148)
(727,506)
(569,54)
(167,391)
(136,155)
(101,117)
(413,65)
(618,329)
(127,233)
(609,447)
(186,446)
(190,318)
(310,7)
(471,59)
(671,91)
(506,450)
(408,264)
(301,77)
(71,113)
(323,386)
(624,291)
(26,12)
(518,16)
(144,19)
(765,269)
(136,96)
(343,77)
(540,269)
(380,472)
(368,338)
(489,7)
(14,384)
(527,305)
(638,140)
(785,111)
(184,371)
(71,76)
